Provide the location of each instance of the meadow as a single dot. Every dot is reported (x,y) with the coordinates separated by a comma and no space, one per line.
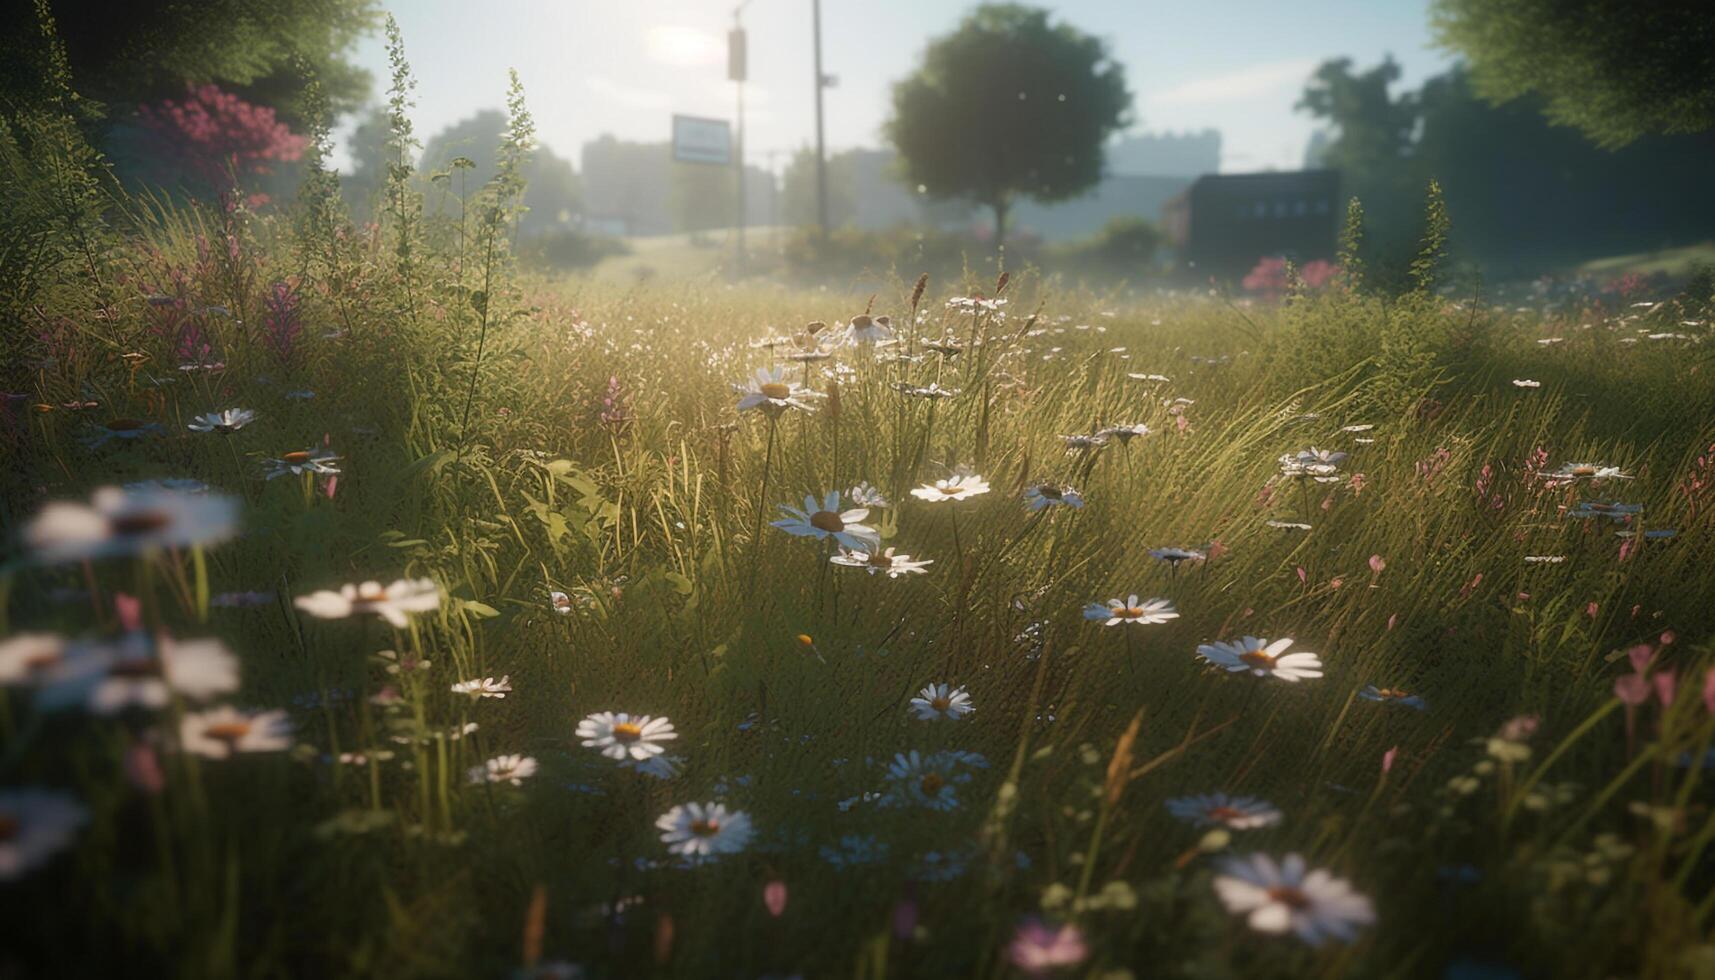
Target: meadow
(374,609)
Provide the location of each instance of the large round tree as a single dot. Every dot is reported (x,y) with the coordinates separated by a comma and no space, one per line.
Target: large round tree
(1009,105)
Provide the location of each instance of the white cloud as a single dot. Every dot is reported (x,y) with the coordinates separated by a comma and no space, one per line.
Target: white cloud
(684,47)
(1247,83)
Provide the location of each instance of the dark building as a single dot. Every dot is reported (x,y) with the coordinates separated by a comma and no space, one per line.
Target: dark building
(1223,223)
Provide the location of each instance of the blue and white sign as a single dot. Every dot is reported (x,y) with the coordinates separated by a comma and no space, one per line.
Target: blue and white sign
(699,140)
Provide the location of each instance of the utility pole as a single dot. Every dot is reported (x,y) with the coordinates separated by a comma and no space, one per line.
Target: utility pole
(736,71)
(821,146)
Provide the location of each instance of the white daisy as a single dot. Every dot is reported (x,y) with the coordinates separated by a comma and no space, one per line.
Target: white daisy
(1124,433)
(704,830)
(826,520)
(942,701)
(1221,810)
(958,487)
(1048,495)
(137,671)
(35,824)
(864,495)
(485,687)
(769,390)
(1157,378)
(390,602)
(1594,472)
(932,391)
(1287,897)
(1173,556)
(223,732)
(1526,383)
(885,561)
(118,522)
(1077,443)
(512,769)
(865,329)
(225,422)
(29,659)
(929,781)
(1131,610)
(317,462)
(619,735)
(1262,658)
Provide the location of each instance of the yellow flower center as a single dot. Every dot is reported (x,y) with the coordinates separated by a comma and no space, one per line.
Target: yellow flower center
(1258,659)
(1052,493)
(880,561)
(932,783)
(1583,471)
(1292,898)
(775,389)
(1222,814)
(1392,692)
(951,491)
(301,456)
(941,703)
(140,522)
(1131,612)
(827,520)
(705,828)
(228,731)
(625,731)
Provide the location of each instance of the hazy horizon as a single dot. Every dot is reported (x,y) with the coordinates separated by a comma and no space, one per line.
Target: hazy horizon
(1237,67)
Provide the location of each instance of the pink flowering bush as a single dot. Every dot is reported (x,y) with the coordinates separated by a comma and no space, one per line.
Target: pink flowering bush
(215,138)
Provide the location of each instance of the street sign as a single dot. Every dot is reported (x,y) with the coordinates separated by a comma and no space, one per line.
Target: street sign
(735,51)
(699,140)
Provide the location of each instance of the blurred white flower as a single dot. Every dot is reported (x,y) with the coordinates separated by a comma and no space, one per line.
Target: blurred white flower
(224,731)
(119,522)
(38,824)
(1263,658)
(1288,897)
(390,602)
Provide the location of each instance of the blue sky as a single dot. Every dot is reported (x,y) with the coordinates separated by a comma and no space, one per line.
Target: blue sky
(625,66)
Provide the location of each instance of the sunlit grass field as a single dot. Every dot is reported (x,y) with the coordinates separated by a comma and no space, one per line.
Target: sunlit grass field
(1486,742)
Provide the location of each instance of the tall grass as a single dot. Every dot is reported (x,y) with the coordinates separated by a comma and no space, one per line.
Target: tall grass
(520,438)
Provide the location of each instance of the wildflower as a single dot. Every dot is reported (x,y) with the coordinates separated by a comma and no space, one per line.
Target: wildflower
(1124,433)
(958,487)
(225,422)
(38,824)
(1158,378)
(1173,556)
(1526,383)
(1262,658)
(929,781)
(1594,472)
(1037,949)
(1286,897)
(512,769)
(704,830)
(390,602)
(1544,559)
(884,561)
(560,602)
(123,429)
(1392,695)
(828,521)
(1084,443)
(774,897)
(947,347)
(1131,610)
(222,732)
(865,329)
(317,461)
(1288,525)
(1613,510)
(771,392)
(1048,495)
(485,687)
(864,495)
(30,659)
(118,522)
(620,736)
(1221,810)
(932,391)
(942,701)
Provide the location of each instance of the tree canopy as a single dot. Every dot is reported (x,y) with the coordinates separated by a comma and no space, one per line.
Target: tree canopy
(1009,105)
(126,54)
(1616,69)
(1522,193)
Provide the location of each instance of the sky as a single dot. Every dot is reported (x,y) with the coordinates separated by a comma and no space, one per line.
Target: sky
(626,66)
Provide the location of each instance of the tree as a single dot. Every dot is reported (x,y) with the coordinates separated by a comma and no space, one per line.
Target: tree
(1522,194)
(798,190)
(552,194)
(124,54)
(1616,69)
(1009,105)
